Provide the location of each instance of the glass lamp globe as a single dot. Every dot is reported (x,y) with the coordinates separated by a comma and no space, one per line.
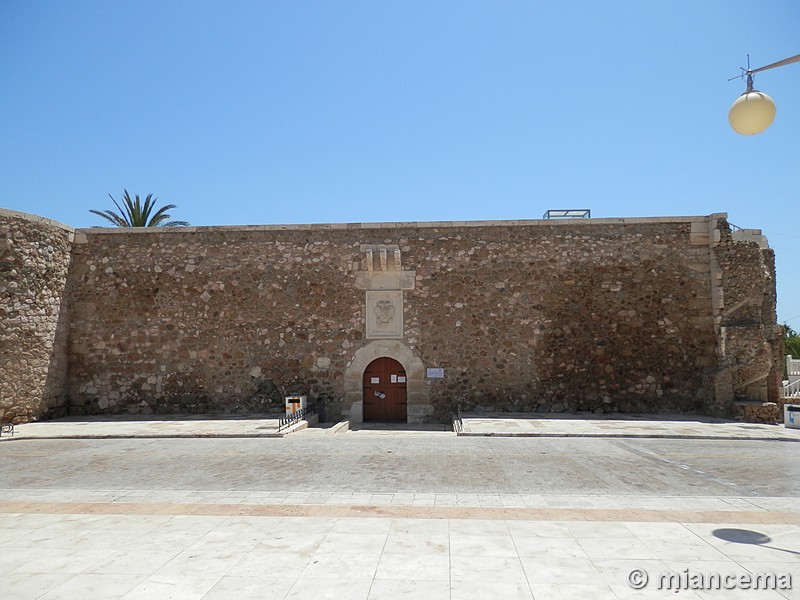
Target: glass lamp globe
(751,113)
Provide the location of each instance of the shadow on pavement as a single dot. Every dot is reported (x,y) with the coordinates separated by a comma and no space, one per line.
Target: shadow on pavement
(400,427)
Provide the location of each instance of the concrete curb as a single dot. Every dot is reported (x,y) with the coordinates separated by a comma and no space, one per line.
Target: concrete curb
(340,427)
(666,436)
(133,436)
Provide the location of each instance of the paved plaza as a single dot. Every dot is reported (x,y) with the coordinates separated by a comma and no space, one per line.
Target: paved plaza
(376,513)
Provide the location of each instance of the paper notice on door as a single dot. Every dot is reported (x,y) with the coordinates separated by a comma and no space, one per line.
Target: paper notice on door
(394,378)
(401,379)
(375,380)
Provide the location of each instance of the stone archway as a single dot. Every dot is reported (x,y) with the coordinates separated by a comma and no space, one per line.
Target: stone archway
(419,406)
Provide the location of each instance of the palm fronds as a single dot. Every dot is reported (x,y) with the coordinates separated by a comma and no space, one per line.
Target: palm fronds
(791,341)
(134,213)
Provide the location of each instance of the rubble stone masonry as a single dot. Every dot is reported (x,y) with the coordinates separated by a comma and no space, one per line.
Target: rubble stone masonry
(34,264)
(633,315)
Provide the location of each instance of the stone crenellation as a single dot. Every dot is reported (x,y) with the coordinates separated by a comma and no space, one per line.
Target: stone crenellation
(604,315)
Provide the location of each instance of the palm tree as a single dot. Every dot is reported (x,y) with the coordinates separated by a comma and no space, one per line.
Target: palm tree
(791,341)
(133,213)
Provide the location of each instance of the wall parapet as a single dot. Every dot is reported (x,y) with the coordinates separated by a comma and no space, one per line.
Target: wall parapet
(7,212)
(633,221)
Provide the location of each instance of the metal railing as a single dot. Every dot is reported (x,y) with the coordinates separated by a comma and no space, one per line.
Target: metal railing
(294,417)
(568,213)
(458,422)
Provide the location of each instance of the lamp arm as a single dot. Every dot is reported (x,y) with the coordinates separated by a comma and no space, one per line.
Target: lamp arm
(780,63)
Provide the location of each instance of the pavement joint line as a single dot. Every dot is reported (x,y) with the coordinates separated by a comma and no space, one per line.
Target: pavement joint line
(405,512)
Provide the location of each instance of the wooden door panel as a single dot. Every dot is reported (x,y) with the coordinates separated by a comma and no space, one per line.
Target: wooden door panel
(384,391)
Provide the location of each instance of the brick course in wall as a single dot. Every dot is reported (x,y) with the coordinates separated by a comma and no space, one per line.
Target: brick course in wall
(598,314)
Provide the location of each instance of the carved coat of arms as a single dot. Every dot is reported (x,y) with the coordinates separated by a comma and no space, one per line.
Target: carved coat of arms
(384,313)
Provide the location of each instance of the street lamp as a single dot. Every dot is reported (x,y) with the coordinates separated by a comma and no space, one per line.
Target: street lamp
(753,111)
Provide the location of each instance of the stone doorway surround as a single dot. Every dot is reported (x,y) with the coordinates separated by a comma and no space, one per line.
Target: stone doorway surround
(419,406)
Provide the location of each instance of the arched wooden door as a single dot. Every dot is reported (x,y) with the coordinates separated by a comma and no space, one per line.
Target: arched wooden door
(385,391)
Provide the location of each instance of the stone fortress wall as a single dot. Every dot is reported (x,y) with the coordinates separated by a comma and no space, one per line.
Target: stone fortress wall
(632,315)
(34,265)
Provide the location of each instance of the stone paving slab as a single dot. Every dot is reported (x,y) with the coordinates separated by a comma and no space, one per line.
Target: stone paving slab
(622,426)
(473,424)
(423,462)
(74,552)
(413,506)
(78,523)
(491,513)
(161,426)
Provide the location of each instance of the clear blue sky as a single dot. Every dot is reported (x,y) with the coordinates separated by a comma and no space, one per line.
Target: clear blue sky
(339,111)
